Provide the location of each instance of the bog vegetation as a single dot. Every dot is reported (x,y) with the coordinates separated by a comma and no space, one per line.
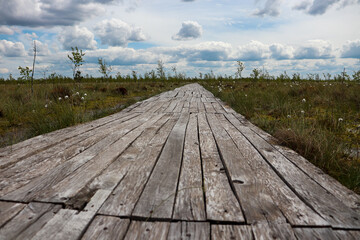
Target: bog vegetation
(317,116)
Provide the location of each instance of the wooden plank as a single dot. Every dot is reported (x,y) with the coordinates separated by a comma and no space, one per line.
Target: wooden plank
(70,186)
(157,200)
(179,107)
(172,106)
(221,203)
(30,214)
(201,107)
(27,169)
(218,108)
(186,107)
(189,230)
(148,230)
(69,224)
(209,107)
(261,180)
(342,193)
(54,176)
(189,203)
(238,232)
(126,194)
(315,233)
(106,227)
(243,173)
(342,234)
(8,210)
(322,201)
(113,174)
(273,231)
(193,106)
(31,230)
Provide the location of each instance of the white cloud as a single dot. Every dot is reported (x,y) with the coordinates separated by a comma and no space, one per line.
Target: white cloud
(314,49)
(271,8)
(319,7)
(189,30)
(115,32)
(253,51)
(11,49)
(42,49)
(77,36)
(281,52)
(6,30)
(4,70)
(351,49)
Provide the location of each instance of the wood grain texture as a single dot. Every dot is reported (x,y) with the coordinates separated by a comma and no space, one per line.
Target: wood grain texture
(157,199)
(238,232)
(8,210)
(106,227)
(273,231)
(189,231)
(315,233)
(221,203)
(189,203)
(148,230)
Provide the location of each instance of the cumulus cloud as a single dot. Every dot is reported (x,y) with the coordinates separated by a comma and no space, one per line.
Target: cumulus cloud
(281,52)
(271,8)
(115,32)
(4,70)
(351,49)
(314,49)
(48,12)
(77,36)
(6,30)
(189,30)
(12,49)
(42,49)
(319,7)
(253,51)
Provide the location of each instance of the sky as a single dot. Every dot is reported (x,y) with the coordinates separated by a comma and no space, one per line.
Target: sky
(296,36)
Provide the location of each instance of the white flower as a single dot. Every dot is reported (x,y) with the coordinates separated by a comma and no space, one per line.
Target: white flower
(46,105)
(288,116)
(77,93)
(85,94)
(302,111)
(60,98)
(245,95)
(82,98)
(340,119)
(304,100)
(66,96)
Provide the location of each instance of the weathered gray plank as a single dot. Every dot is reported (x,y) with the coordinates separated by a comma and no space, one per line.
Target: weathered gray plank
(218,108)
(273,231)
(179,107)
(262,181)
(315,233)
(189,200)
(189,230)
(193,106)
(349,235)
(209,107)
(221,203)
(8,210)
(242,170)
(148,230)
(238,232)
(106,227)
(158,198)
(328,206)
(30,214)
(126,194)
(69,224)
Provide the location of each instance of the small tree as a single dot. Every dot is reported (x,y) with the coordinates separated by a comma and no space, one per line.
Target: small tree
(25,72)
(345,76)
(77,61)
(240,68)
(174,70)
(356,76)
(33,69)
(160,70)
(103,68)
(255,74)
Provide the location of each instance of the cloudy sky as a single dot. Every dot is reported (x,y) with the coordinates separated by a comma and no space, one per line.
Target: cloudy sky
(305,36)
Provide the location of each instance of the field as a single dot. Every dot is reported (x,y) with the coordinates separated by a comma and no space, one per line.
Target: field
(318,119)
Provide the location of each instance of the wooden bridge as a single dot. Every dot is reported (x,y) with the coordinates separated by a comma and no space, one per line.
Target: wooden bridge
(180,165)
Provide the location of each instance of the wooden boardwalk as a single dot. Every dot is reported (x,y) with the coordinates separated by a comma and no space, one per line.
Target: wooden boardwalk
(180,165)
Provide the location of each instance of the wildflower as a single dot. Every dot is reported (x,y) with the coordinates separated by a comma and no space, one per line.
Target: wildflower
(245,95)
(85,94)
(304,100)
(340,119)
(82,98)
(66,96)
(77,93)
(46,105)
(288,116)
(60,98)
(302,111)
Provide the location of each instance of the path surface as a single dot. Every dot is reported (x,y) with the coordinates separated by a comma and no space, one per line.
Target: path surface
(180,165)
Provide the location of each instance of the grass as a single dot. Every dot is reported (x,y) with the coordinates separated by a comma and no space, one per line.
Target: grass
(59,105)
(318,119)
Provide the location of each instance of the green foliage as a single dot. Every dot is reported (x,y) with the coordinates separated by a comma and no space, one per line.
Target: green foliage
(255,74)
(104,69)
(77,61)
(25,73)
(160,70)
(240,68)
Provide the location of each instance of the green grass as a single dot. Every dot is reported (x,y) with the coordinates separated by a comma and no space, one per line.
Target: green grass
(59,105)
(318,119)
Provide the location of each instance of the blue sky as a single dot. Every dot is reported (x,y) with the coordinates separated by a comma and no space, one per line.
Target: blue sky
(305,36)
